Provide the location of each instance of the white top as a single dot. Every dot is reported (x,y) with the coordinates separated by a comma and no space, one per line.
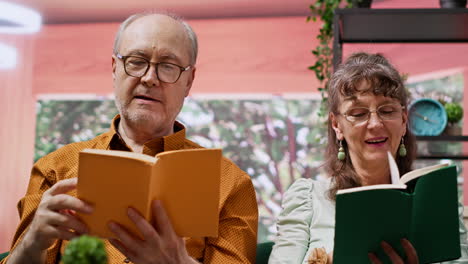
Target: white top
(308,221)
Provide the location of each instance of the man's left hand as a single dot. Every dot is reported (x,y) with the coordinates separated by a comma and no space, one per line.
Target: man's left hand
(160,243)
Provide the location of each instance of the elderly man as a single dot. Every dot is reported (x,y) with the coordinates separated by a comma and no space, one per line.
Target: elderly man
(153,67)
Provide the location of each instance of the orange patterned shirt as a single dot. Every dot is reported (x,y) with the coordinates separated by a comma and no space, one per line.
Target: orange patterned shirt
(237,239)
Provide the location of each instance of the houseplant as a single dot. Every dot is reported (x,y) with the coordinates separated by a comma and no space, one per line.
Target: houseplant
(454,115)
(324,11)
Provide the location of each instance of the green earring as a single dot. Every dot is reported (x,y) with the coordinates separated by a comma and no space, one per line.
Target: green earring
(402,149)
(341,153)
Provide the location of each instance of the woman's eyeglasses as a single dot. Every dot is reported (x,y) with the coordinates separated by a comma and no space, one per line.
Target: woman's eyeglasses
(360,115)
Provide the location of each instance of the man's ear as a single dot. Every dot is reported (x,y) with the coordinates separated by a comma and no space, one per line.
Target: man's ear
(190,81)
(336,126)
(113,66)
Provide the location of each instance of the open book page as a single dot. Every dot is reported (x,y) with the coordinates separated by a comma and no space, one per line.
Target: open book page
(394,172)
(395,178)
(397,182)
(372,187)
(407,177)
(187,183)
(124,154)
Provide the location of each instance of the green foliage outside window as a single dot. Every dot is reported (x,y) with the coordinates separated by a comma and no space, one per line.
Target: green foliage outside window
(275,141)
(62,122)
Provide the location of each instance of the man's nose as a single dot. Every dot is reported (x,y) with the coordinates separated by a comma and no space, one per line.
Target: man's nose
(150,79)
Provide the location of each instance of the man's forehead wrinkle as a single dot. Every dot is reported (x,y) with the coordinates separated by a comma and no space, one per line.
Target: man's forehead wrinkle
(155,24)
(159,37)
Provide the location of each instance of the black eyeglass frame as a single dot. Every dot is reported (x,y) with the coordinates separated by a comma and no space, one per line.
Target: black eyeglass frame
(124,58)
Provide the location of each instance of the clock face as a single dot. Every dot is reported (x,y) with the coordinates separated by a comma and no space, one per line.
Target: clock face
(427,117)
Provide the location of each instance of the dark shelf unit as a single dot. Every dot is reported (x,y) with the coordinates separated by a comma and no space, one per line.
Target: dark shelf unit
(438,157)
(443,138)
(362,25)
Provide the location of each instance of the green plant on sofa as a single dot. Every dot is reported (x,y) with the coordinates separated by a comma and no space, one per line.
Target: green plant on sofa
(85,250)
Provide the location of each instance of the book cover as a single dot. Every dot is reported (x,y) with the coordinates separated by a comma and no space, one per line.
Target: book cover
(423,207)
(186,182)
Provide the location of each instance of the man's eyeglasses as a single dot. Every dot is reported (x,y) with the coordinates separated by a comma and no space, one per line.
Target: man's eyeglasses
(360,115)
(165,72)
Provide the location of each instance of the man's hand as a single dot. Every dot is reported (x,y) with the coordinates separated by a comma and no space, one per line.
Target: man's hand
(160,244)
(411,254)
(55,216)
(54,219)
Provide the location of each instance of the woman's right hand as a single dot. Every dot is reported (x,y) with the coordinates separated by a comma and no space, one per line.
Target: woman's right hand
(55,218)
(410,251)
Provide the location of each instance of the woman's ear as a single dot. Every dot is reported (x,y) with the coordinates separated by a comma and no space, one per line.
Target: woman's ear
(336,126)
(405,121)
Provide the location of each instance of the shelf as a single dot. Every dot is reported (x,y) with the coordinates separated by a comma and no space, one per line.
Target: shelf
(453,139)
(402,25)
(438,157)
(367,25)
(442,138)
(364,25)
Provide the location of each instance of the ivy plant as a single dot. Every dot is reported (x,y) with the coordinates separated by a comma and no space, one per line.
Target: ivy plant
(324,10)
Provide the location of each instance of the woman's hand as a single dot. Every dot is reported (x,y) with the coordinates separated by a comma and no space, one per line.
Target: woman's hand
(411,254)
(320,256)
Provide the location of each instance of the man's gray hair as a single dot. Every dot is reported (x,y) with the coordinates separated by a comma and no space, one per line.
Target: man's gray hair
(188,29)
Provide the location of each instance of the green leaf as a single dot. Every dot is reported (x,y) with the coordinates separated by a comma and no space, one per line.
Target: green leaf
(85,250)
(324,10)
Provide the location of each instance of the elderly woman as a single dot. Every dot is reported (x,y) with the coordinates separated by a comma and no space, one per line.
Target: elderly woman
(367,118)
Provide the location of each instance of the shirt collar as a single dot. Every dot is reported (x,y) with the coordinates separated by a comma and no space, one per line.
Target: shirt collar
(171,142)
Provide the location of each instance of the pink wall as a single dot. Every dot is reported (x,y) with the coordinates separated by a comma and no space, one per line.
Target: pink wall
(253,55)
(17,126)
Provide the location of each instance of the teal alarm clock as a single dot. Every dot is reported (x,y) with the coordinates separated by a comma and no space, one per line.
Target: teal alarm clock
(427,117)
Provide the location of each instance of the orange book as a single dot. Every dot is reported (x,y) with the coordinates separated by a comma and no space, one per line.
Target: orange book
(185,181)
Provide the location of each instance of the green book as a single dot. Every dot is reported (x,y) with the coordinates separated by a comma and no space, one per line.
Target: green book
(422,207)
